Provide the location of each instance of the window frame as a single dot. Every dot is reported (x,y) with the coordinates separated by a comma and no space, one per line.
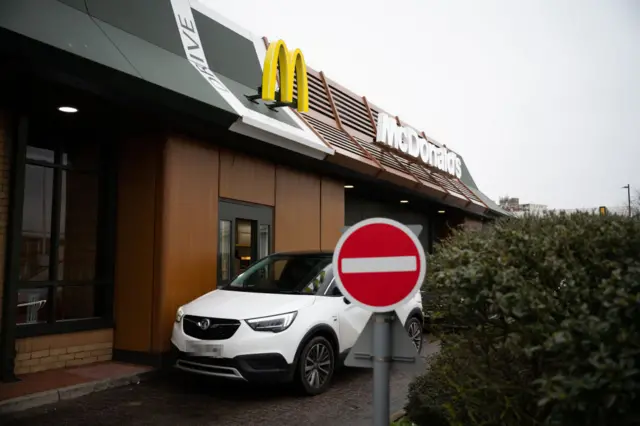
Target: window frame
(105,170)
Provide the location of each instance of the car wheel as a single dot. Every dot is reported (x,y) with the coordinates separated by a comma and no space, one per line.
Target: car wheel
(316,366)
(414,328)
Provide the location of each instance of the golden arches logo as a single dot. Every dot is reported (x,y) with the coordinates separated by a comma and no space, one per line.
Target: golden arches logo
(291,65)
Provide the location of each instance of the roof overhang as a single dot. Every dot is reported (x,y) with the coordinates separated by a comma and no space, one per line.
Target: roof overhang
(154,43)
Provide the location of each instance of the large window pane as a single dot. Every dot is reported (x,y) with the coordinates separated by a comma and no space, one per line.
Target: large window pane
(81,154)
(264,241)
(78,226)
(79,302)
(36,223)
(33,305)
(245,245)
(40,154)
(225,250)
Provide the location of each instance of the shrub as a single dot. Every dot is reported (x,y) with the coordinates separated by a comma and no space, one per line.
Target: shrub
(549,310)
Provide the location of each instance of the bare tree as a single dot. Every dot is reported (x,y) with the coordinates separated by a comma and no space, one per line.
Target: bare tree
(635,203)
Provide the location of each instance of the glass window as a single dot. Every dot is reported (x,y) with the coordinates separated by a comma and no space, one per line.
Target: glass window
(78,226)
(33,305)
(78,302)
(65,233)
(80,154)
(280,273)
(245,249)
(225,250)
(36,223)
(264,241)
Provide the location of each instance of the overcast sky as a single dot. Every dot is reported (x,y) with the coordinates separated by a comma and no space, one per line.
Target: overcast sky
(541,97)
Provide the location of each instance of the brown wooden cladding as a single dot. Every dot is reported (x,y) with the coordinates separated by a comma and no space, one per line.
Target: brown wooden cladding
(189,228)
(247,178)
(297,211)
(331,212)
(139,181)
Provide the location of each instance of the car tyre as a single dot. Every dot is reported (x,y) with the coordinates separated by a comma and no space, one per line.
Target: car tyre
(316,366)
(414,328)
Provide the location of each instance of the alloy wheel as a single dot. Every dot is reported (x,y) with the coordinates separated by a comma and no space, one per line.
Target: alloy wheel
(415,332)
(317,365)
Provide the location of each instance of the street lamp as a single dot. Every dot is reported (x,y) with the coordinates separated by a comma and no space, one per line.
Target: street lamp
(628,188)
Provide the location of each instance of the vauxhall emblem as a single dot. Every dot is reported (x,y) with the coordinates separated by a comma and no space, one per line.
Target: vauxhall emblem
(204,323)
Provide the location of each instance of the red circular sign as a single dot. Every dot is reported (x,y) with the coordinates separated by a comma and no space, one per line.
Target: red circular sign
(379,264)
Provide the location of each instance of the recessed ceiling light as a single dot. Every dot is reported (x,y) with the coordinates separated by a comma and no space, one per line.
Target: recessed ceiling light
(440,211)
(404,201)
(68,109)
(348,186)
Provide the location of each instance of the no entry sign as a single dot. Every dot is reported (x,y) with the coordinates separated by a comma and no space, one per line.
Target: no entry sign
(379,264)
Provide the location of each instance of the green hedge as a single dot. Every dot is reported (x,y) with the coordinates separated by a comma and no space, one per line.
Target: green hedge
(549,317)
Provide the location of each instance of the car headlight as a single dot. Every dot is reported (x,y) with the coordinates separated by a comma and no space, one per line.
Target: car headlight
(179,314)
(274,323)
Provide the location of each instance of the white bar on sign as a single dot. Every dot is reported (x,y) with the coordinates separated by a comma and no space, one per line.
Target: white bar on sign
(360,265)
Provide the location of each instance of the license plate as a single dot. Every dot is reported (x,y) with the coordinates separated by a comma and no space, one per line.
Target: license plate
(204,349)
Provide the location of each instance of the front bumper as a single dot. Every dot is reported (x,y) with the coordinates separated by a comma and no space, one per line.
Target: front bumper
(255,368)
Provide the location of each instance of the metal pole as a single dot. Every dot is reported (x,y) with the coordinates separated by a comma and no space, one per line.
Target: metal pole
(381,367)
(629,197)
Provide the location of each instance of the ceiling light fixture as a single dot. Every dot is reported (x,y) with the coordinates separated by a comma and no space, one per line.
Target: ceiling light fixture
(404,201)
(348,186)
(68,109)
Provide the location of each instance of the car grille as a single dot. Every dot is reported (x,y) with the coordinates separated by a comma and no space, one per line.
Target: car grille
(219,329)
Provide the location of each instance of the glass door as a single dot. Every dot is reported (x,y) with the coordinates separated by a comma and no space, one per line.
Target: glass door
(244,237)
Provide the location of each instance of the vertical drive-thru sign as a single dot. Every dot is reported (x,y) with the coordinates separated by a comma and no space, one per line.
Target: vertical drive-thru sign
(379,264)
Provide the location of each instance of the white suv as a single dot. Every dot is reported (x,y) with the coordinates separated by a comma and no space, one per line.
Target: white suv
(283,319)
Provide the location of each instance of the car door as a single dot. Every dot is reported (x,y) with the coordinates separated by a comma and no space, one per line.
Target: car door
(351,319)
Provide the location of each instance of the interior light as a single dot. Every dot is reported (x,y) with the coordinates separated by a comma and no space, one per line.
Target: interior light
(68,109)
(348,186)
(441,211)
(404,201)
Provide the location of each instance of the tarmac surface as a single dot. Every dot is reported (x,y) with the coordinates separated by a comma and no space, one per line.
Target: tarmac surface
(176,399)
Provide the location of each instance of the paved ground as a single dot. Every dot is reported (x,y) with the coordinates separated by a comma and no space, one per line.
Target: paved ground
(177,400)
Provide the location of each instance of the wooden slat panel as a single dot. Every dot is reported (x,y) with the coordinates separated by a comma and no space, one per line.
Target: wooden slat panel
(247,179)
(462,188)
(444,182)
(352,111)
(331,213)
(139,178)
(386,159)
(335,136)
(318,99)
(297,215)
(190,227)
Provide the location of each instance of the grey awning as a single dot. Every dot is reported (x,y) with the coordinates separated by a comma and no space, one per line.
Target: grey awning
(65,25)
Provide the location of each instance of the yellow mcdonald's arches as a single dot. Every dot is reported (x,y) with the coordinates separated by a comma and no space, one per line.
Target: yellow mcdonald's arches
(291,64)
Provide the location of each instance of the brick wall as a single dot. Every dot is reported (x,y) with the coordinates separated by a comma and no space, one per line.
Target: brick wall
(35,354)
(4,197)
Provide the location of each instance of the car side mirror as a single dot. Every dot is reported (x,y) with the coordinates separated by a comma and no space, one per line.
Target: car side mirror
(347,301)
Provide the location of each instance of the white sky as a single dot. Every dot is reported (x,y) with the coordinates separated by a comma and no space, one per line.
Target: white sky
(542,98)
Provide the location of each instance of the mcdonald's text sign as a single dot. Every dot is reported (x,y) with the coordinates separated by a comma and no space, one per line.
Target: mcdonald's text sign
(408,141)
(292,65)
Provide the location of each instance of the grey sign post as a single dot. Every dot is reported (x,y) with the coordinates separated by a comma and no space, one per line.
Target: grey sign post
(384,343)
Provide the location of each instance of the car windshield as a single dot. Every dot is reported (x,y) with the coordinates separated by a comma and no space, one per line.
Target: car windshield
(283,274)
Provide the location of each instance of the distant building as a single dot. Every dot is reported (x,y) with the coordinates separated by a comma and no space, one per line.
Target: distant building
(512,204)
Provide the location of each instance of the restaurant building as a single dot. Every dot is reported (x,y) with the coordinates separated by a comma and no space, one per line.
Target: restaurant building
(146,158)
